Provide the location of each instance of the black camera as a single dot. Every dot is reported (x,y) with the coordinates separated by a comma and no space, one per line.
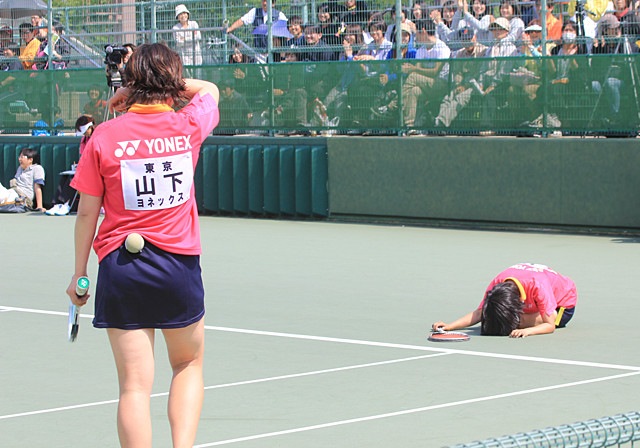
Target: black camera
(113,59)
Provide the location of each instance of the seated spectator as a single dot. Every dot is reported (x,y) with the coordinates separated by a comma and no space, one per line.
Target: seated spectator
(12,58)
(418,10)
(569,78)
(315,48)
(390,34)
(295,28)
(84,128)
(329,28)
(30,46)
(554,24)
(379,48)
(479,19)
(256,17)
(510,10)
(428,78)
(27,183)
(6,36)
(444,21)
(60,53)
(234,109)
(335,103)
(494,81)
(356,12)
(610,41)
(629,21)
(465,74)
(290,94)
(96,106)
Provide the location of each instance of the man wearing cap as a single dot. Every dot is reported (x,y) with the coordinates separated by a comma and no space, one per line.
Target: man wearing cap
(187,35)
(465,74)
(256,17)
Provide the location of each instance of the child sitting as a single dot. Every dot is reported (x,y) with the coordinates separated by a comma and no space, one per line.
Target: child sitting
(523,300)
(27,183)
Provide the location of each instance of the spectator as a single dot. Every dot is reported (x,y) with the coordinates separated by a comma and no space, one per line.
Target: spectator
(610,41)
(426,79)
(6,36)
(316,49)
(628,19)
(187,36)
(37,21)
(510,10)
(96,106)
(379,48)
(569,79)
(234,109)
(465,74)
(58,60)
(495,74)
(294,25)
(256,17)
(27,183)
(418,10)
(479,19)
(290,95)
(390,34)
(12,58)
(84,128)
(356,12)
(30,45)
(444,21)
(329,28)
(335,103)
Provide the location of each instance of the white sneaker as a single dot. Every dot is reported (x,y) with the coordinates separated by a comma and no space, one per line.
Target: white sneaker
(63,209)
(52,211)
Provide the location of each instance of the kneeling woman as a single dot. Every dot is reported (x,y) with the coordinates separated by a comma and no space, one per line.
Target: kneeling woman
(139,167)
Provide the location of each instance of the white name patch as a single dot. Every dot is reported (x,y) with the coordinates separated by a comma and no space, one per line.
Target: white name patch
(156,184)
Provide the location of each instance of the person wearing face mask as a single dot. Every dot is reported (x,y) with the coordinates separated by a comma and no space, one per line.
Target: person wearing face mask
(569,81)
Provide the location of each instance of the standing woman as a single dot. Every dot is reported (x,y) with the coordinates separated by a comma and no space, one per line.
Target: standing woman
(149,191)
(187,35)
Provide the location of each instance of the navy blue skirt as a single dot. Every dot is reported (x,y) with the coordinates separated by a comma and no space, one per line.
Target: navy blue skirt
(152,289)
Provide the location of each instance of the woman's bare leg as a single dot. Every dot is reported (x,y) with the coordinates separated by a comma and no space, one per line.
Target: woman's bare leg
(186,350)
(133,353)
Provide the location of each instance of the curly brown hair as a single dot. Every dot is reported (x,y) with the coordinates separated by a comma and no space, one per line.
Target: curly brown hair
(154,74)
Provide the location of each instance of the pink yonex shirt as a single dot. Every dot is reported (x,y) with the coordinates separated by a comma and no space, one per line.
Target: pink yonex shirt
(541,288)
(142,164)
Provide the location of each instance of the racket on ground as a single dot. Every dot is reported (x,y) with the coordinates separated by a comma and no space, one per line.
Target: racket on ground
(82,286)
(448,336)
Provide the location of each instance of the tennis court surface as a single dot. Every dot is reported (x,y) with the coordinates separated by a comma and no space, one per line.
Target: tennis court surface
(317,337)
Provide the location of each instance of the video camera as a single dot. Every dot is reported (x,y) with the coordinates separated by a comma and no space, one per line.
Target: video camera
(113,59)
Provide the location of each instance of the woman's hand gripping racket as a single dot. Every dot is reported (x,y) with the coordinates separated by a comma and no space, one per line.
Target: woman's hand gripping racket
(82,286)
(439,335)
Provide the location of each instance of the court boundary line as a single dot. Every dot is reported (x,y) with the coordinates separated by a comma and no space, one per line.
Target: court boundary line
(413,411)
(378,344)
(234,384)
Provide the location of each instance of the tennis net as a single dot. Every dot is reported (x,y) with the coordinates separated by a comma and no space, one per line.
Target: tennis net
(621,430)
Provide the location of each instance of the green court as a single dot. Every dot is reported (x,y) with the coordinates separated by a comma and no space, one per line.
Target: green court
(317,337)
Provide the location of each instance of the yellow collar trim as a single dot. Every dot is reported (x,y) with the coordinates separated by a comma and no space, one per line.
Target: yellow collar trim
(149,108)
(523,295)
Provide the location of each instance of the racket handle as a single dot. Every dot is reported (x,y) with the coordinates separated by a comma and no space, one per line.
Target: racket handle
(82,286)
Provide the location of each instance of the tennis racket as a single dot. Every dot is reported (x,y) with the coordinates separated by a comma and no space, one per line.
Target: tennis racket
(448,336)
(82,286)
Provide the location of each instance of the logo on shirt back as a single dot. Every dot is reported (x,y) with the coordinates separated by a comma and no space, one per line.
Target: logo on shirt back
(155,146)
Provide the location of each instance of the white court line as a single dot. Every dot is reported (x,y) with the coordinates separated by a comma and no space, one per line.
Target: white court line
(425,348)
(383,344)
(239,383)
(412,411)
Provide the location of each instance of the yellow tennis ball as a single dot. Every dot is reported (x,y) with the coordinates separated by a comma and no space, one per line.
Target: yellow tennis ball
(134,243)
